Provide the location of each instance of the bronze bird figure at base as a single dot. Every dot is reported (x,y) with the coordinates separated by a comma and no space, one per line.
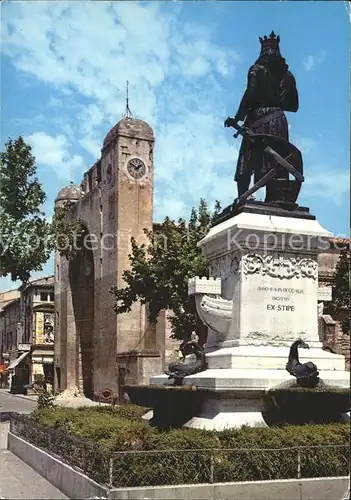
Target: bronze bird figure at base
(178,371)
(306,373)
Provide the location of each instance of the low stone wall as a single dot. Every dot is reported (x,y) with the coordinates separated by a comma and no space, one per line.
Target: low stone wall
(4,429)
(71,482)
(76,485)
(293,489)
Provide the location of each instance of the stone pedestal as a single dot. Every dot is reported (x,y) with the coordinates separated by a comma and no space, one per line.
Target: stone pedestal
(268,269)
(261,297)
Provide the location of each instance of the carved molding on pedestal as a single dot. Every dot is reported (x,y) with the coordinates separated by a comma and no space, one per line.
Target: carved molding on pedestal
(224,266)
(279,267)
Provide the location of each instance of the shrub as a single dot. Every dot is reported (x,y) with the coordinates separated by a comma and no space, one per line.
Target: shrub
(45,400)
(145,456)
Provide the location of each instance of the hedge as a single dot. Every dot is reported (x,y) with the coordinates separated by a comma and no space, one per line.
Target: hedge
(114,446)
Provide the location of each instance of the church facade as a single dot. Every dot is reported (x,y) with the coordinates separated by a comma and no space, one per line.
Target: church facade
(96,350)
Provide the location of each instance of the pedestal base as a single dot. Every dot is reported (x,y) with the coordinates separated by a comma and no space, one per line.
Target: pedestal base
(255,379)
(238,391)
(222,420)
(270,357)
(226,412)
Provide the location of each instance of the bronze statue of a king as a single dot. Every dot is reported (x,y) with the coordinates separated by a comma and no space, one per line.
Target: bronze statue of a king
(265,150)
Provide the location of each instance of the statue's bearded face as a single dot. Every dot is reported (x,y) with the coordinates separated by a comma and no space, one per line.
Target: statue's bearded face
(270,52)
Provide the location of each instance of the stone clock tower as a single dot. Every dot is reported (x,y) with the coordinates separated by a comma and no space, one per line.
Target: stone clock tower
(98,350)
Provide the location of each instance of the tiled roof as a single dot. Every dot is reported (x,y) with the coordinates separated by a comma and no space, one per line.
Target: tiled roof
(340,243)
(44,281)
(341,240)
(8,303)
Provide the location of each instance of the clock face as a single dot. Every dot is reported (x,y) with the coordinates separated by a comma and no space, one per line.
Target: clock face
(136,168)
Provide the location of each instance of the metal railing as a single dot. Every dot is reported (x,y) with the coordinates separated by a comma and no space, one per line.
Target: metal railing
(188,466)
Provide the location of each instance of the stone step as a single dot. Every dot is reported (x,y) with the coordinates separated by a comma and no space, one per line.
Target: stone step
(253,379)
(266,357)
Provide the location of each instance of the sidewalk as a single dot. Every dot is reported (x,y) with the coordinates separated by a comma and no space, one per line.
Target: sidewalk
(16,402)
(18,480)
(30,397)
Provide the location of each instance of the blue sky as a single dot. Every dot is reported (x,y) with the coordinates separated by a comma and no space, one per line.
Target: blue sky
(65,64)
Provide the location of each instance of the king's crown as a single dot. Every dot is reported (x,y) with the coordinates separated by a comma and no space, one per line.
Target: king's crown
(271,41)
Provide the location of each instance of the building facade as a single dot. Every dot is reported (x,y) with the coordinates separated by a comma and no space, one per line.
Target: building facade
(330,331)
(27,334)
(95,349)
(9,329)
(38,325)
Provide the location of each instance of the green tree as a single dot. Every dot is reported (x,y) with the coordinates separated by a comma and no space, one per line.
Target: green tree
(24,230)
(341,290)
(160,270)
(66,237)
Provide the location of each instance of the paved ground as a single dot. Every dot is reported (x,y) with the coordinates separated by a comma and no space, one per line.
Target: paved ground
(17,479)
(16,402)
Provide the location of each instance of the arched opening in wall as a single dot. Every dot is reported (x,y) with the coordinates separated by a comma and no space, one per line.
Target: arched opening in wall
(82,280)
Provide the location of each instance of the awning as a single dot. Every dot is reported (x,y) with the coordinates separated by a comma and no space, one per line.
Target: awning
(17,361)
(43,356)
(39,352)
(48,307)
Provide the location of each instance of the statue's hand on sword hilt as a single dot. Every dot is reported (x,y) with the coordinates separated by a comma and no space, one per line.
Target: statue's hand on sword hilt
(233,122)
(230,122)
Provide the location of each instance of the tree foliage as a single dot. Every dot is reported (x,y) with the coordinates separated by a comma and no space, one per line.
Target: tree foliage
(27,238)
(341,289)
(67,237)
(24,229)
(160,270)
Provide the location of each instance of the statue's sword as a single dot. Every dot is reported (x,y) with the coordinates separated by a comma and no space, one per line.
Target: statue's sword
(244,131)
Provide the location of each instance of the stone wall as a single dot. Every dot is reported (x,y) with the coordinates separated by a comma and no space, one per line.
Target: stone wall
(97,349)
(330,328)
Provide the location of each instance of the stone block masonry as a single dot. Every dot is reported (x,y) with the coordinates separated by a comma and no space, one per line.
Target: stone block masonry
(115,203)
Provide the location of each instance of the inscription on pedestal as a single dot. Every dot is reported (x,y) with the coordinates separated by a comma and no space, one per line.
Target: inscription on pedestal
(278,294)
(280,298)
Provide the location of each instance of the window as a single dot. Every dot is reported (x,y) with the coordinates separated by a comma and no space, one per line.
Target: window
(52,297)
(43,296)
(98,172)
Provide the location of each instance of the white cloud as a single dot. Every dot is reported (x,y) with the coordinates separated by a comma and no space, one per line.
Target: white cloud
(54,102)
(92,146)
(312,61)
(305,144)
(53,152)
(328,183)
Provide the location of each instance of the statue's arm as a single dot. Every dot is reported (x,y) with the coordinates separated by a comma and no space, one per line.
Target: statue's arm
(290,96)
(248,97)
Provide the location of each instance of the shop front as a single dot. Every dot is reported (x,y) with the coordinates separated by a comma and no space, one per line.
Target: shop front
(4,375)
(18,371)
(42,355)
(43,365)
